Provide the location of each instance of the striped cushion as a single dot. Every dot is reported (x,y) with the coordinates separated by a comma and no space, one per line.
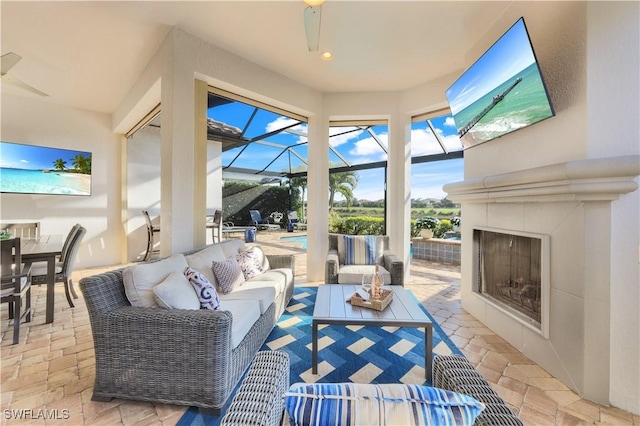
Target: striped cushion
(370,404)
(358,249)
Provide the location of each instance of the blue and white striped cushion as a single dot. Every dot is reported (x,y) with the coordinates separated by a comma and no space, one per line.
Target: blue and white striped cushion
(371,404)
(359,249)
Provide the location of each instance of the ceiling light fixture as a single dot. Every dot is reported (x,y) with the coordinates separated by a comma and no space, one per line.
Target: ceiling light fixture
(327,56)
(314,2)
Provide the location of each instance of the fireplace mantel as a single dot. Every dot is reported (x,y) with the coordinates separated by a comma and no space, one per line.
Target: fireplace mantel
(598,179)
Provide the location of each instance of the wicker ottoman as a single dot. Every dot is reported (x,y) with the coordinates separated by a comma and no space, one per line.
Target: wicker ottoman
(259,400)
(456,373)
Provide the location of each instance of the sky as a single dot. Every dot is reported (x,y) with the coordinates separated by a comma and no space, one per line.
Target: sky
(508,56)
(356,146)
(31,157)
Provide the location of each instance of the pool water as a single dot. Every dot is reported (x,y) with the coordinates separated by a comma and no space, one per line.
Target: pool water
(302,239)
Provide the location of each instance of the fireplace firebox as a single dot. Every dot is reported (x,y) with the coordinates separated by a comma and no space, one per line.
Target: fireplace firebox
(511,272)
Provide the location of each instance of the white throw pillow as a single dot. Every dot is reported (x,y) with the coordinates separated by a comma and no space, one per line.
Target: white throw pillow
(176,292)
(201,261)
(139,280)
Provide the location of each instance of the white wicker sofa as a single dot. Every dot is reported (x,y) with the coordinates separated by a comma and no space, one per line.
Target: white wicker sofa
(182,356)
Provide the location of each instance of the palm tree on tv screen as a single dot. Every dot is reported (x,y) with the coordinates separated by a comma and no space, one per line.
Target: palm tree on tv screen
(59,164)
(82,163)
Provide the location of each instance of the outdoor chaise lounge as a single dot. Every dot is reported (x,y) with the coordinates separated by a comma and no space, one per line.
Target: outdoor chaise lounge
(260,223)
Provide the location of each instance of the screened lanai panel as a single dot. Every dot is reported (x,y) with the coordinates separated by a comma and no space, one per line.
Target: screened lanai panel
(256,136)
(434,135)
(352,145)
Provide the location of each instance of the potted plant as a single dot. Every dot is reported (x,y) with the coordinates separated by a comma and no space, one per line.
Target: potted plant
(455,222)
(428,225)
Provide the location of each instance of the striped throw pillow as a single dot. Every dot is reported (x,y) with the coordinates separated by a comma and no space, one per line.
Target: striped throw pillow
(375,404)
(358,249)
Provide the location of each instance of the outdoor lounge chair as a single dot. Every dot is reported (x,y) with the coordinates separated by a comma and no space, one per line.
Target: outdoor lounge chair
(292,217)
(260,223)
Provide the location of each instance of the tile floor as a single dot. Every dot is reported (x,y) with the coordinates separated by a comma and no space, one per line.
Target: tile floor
(48,377)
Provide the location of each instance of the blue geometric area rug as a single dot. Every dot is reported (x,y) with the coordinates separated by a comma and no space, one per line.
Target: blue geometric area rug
(356,354)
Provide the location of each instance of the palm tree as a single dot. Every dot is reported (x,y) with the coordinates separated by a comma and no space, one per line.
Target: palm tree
(59,164)
(300,183)
(343,183)
(82,163)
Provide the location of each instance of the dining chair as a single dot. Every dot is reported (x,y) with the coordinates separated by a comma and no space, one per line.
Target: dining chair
(216,225)
(65,267)
(151,231)
(15,284)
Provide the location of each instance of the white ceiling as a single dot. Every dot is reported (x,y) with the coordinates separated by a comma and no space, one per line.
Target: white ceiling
(87,54)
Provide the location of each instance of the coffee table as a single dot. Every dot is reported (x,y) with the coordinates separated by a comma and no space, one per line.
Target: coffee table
(403,311)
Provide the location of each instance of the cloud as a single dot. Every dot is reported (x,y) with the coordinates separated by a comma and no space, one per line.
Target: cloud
(370,149)
(423,142)
(282,122)
(449,121)
(341,139)
(24,161)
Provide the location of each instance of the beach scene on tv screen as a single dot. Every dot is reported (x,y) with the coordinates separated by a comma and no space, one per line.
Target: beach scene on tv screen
(30,169)
(501,92)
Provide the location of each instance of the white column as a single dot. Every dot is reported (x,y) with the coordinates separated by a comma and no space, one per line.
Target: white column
(318,193)
(398,218)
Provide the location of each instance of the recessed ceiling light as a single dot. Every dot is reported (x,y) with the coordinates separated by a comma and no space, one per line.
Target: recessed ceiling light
(314,2)
(327,56)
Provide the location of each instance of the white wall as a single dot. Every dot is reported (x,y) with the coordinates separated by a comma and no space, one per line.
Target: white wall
(588,53)
(32,121)
(143,189)
(613,87)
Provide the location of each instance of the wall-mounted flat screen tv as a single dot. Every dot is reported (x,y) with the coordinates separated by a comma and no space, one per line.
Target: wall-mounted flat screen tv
(501,92)
(30,169)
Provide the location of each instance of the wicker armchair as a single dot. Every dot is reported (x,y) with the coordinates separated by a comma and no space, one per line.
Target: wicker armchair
(169,356)
(337,272)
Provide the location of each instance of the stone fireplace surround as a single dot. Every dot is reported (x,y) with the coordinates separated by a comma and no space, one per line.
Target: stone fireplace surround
(570,202)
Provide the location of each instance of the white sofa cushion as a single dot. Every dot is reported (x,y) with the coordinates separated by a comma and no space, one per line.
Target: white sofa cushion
(277,278)
(352,274)
(176,292)
(245,314)
(139,280)
(231,247)
(201,261)
(263,292)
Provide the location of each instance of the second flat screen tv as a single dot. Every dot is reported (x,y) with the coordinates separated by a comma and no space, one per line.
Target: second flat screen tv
(501,92)
(32,169)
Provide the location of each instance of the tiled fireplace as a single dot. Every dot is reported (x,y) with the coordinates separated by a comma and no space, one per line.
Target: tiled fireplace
(536,262)
(511,272)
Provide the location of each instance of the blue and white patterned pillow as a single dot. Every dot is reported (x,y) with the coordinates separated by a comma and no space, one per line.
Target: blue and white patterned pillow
(374,404)
(358,249)
(228,273)
(250,262)
(207,293)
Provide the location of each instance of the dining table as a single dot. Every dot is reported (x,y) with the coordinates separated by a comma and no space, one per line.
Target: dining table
(47,248)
